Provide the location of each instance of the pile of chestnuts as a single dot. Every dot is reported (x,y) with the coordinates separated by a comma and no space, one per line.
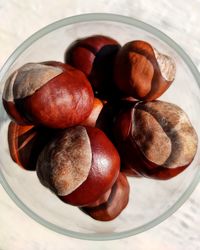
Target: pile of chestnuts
(87,124)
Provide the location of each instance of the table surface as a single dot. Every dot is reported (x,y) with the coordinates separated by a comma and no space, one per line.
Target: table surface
(180,20)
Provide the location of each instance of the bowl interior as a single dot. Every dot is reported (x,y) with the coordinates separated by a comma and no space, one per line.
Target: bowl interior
(150,200)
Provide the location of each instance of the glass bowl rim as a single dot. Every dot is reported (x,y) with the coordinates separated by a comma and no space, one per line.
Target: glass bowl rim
(89,17)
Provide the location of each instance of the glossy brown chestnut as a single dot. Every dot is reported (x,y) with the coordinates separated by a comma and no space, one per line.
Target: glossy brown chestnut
(52,94)
(102,199)
(116,202)
(142,72)
(95,57)
(25,144)
(156,139)
(79,165)
(92,118)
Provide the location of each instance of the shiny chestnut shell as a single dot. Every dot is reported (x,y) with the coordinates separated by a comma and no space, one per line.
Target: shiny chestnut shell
(25,144)
(115,204)
(103,172)
(155,139)
(63,101)
(95,56)
(142,72)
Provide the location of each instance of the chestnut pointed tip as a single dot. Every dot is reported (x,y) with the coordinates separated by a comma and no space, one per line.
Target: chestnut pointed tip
(166,65)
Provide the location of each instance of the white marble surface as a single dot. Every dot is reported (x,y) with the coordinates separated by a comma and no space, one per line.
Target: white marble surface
(180,20)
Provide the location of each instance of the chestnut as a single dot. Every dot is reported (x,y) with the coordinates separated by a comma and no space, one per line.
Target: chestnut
(117,201)
(142,72)
(52,94)
(156,139)
(109,113)
(79,165)
(92,118)
(25,144)
(102,199)
(95,55)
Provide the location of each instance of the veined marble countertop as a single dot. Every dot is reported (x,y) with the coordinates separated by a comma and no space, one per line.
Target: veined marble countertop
(180,20)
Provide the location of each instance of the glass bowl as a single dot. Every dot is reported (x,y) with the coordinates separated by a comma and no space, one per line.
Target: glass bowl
(151,201)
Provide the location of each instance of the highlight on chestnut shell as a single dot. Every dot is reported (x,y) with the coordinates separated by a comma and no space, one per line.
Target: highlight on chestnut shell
(156,139)
(51,94)
(79,165)
(142,72)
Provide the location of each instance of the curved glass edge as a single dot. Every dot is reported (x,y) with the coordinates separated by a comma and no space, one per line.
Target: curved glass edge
(113,18)
(100,237)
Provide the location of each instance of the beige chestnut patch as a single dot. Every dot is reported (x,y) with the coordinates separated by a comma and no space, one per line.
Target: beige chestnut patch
(28,79)
(164,134)
(64,164)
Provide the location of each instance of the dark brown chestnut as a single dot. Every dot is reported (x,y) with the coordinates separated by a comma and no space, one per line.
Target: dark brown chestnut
(156,139)
(79,165)
(117,201)
(52,94)
(130,171)
(95,57)
(106,119)
(142,72)
(25,144)
(108,114)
